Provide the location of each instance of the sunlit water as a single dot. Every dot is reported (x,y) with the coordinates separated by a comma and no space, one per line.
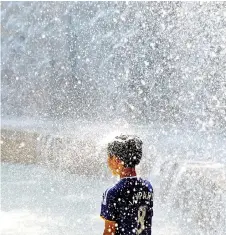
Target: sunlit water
(155,63)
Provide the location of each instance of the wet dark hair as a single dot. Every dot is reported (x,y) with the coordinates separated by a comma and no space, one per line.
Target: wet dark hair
(128,148)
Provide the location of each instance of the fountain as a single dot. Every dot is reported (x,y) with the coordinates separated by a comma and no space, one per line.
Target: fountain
(76,73)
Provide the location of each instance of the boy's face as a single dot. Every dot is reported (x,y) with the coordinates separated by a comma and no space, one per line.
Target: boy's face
(115,165)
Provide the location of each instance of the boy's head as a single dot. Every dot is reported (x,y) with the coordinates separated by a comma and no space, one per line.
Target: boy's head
(125,151)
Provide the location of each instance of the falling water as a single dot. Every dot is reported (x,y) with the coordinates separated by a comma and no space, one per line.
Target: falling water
(75,74)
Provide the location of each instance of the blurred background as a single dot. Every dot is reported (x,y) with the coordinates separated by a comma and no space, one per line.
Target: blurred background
(75,74)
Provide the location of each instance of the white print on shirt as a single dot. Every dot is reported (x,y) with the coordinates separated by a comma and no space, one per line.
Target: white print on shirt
(141,195)
(141,219)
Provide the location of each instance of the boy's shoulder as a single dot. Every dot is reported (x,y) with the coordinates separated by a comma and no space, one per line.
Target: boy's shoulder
(115,189)
(148,184)
(109,194)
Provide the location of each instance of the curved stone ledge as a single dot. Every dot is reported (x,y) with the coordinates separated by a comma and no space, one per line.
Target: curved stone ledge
(197,192)
(73,155)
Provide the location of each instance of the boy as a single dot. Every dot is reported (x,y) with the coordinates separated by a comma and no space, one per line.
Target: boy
(127,208)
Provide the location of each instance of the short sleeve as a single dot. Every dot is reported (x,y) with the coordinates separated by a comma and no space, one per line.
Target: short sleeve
(109,206)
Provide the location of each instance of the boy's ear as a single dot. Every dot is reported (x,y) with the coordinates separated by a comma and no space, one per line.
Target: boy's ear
(116,159)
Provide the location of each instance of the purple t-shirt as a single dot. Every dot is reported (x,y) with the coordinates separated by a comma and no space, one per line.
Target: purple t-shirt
(130,204)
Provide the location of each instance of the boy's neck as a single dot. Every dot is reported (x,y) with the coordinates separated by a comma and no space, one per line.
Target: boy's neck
(128,172)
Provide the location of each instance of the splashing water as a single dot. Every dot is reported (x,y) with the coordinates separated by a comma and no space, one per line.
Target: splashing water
(75,74)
